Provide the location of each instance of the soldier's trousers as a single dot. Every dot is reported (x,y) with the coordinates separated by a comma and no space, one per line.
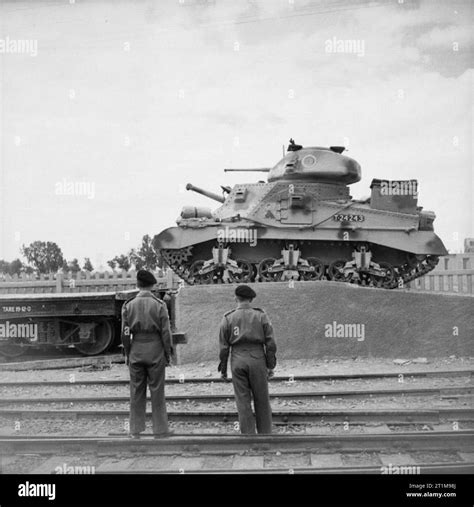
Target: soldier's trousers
(147,365)
(249,377)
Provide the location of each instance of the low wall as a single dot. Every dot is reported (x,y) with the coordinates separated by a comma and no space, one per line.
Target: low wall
(377,322)
(81,281)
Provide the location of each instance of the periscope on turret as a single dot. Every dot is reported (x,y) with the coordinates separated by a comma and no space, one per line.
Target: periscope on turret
(302,224)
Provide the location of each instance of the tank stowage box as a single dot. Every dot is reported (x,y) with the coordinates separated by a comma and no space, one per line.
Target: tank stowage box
(304,225)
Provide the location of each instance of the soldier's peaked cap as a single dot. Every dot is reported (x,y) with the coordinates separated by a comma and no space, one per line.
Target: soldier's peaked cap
(244,291)
(145,277)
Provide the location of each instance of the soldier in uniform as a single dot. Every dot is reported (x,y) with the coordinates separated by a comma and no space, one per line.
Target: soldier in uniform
(248,332)
(146,337)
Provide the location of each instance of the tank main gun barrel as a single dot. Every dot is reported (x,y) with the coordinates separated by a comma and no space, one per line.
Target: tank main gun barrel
(256,170)
(201,191)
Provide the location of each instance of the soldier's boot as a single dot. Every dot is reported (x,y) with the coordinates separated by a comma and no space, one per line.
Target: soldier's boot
(169,433)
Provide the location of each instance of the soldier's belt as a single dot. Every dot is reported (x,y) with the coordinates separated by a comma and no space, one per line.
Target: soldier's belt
(247,346)
(145,337)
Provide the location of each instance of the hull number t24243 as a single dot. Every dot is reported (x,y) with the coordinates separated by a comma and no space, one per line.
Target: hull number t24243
(349,218)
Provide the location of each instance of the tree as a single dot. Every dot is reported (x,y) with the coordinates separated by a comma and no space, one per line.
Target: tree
(27,269)
(145,257)
(121,261)
(46,257)
(135,259)
(88,264)
(14,267)
(74,266)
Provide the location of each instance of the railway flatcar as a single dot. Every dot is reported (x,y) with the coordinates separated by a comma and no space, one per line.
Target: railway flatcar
(88,322)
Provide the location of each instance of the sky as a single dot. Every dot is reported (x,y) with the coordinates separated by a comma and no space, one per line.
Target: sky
(108,108)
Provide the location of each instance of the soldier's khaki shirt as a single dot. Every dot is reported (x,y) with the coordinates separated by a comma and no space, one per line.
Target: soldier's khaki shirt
(246,326)
(145,313)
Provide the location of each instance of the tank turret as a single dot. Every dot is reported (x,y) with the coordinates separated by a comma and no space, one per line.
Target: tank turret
(316,165)
(303,224)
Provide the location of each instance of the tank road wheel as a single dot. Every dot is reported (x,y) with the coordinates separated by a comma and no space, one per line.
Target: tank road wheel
(366,279)
(104,335)
(388,281)
(318,272)
(196,277)
(247,272)
(11,350)
(265,273)
(335,271)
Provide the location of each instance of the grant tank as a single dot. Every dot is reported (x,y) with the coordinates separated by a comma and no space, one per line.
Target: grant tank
(303,224)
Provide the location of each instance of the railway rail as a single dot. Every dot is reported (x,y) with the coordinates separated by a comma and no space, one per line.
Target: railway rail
(57,363)
(205,443)
(183,379)
(354,416)
(458,445)
(442,392)
(200,453)
(424,468)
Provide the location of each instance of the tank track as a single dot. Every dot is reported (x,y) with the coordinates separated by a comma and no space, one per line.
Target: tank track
(409,272)
(180,260)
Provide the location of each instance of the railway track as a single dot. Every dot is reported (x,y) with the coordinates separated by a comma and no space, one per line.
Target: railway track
(259,454)
(438,439)
(207,443)
(56,362)
(399,375)
(442,392)
(424,468)
(353,416)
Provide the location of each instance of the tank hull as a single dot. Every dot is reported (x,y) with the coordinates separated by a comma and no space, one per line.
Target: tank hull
(415,242)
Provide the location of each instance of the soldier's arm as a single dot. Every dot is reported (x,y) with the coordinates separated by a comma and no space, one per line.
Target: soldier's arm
(165,330)
(270,345)
(224,347)
(125,335)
